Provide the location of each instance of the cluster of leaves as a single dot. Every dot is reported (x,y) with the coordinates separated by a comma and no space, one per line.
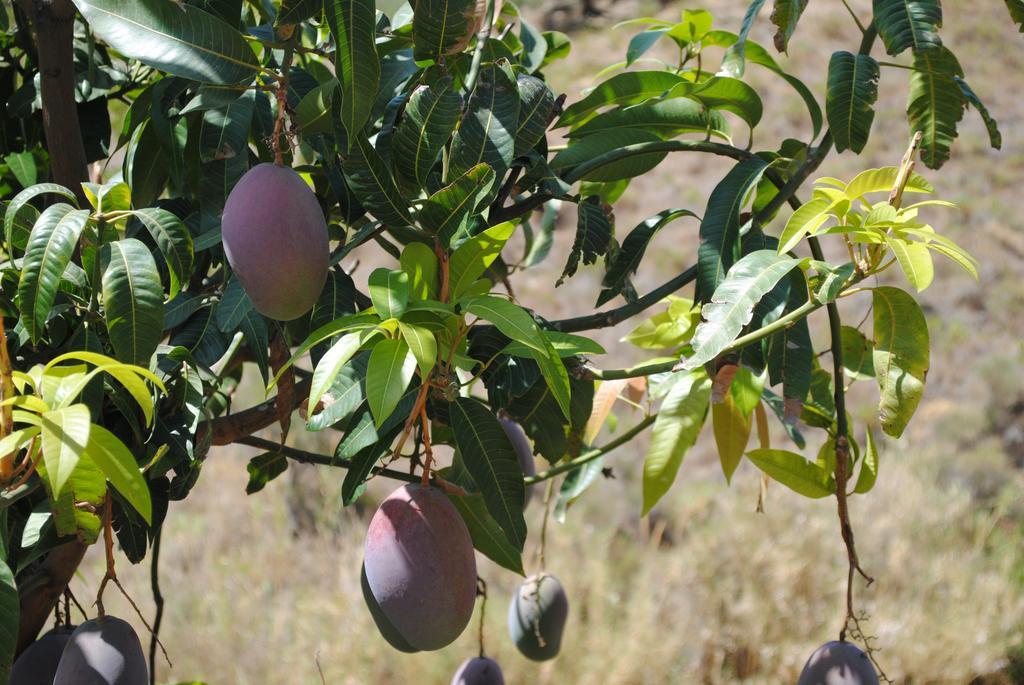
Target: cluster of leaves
(424,132)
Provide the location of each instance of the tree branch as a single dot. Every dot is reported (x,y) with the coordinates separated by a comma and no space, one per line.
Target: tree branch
(225,430)
(593,454)
(305,457)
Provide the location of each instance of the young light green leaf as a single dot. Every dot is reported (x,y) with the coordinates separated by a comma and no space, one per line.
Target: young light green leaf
(732,305)
(65,434)
(807,219)
(882,180)
(490,459)
(391,367)
(915,260)
(423,346)
(420,262)
(796,473)
(132,301)
(868,467)
(118,464)
(389,292)
(679,422)
(23,166)
(471,259)
(332,362)
(900,356)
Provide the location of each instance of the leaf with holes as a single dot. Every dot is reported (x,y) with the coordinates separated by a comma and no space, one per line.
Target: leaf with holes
(785,15)
(593,236)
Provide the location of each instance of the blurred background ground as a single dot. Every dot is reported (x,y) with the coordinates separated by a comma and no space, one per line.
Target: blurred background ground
(265,589)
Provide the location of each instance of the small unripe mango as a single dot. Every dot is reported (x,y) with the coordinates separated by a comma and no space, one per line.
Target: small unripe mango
(103,651)
(536,617)
(479,671)
(275,238)
(838,663)
(37,665)
(420,569)
(523,449)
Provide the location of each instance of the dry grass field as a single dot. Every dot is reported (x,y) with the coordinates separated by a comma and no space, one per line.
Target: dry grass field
(706,591)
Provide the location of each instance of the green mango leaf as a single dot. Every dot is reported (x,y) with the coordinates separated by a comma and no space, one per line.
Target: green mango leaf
(315,111)
(391,367)
(64,437)
(428,121)
(790,353)
(389,292)
(448,212)
(796,473)
(356,65)
(422,344)
(488,537)
(1016,9)
(48,253)
(490,459)
(233,307)
(344,396)
(627,88)
(731,307)
(147,165)
(882,180)
(174,242)
(642,42)
(133,300)
(995,138)
(330,365)
(536,108)
(936,103)
(565,344)
(725,93)
(118,464)
(21,201)
(177,38)
(471,259)
(679,421)
(370,179)
(593,236)
(296,11)
(114,196)
(361,321)
(487,132)
(517,324)
(666,118)
(264,468)
(868,467)
(720,228)
(806,220)
(785,15)
(734,61)
(850,99)
(23,167)
(906,24)
(420,262)
(915,259)
(10,608)
(588,148)
(442,27)
(857,354)
(575,484)
(900,356)
(627,259)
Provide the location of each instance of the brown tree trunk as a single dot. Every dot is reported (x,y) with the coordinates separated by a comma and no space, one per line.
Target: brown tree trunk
(52,23)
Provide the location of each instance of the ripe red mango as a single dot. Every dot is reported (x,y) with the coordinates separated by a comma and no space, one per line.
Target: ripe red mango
(275,238)
(420,569)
